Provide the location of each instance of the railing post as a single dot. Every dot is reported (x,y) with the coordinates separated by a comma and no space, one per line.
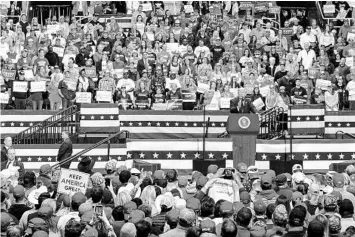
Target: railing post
(108,149)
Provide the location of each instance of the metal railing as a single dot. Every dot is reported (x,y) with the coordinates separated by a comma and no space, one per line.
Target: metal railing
(329,19)
(343,134)
(49,131)
(271,123)
(103,141)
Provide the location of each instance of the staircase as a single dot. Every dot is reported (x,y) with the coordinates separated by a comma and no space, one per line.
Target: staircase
(49,131)
(271,124)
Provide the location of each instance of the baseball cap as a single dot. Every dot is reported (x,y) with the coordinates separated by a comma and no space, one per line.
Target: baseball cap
(281,179)
(85,207)
(288,176)
(182,181)
(79,197)
(351,189)
(314,188)
(258,229)
(315,228)
(245,197)
(242,167)
(296,167)
(45,211)
(297,195)
(186,217)
(259,206)
(212,169)
(226,206)
(193,203)
(172,216)
(350,169)
(266,179)
(5,220)
(334,223)
(207,225)
(19,191)
(135,216)
(158,174)
(338,180)
(129,207)
(45,169)
(201,181)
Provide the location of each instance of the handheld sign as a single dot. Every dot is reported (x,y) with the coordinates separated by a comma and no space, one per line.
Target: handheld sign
(323,84)
(225,102)
(174,105)
(28,74)
(349,61)
(188,96)
(202,87)
(350,36)
(38,86)
(188,9)
(147,7)
(330,8)
(264,91)
(72,181)
(59,51)
(4,98)
(20,86)
(274,10)
(258,103)
(159,106)
(8,74)
(104,96)
(83,97)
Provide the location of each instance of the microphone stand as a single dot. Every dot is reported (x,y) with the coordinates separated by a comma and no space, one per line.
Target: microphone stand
(205,132)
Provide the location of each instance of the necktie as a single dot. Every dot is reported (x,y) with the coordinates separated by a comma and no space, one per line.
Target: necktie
(8,164)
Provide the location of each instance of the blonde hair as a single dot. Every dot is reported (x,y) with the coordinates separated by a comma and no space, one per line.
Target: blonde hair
(122,198)
(148,195)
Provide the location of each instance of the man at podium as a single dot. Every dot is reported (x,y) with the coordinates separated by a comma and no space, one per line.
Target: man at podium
(240,104)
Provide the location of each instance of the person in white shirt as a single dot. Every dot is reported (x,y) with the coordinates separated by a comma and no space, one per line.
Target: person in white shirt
(306,57)
(246,32)
(326,39)
(202,48)
(307,37)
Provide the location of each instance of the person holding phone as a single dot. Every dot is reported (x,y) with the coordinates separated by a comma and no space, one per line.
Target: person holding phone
(225,185)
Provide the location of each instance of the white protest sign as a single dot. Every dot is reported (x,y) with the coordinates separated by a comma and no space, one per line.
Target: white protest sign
(202,87)
(172,47)
(264,91)
(323,84)
(188,9)
(146,7)
(59,51)
(72,181)
(258,103)
(28,74)
(4,98)
(160,106)
(349,61)
(20,86)
(329,8)
(38,86)
(351,36)
(83,97)
(118,72)
(225,102)
(53,29)
(105,96)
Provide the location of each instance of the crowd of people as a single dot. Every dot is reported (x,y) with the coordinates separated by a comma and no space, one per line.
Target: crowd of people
(205,55)
(227,202)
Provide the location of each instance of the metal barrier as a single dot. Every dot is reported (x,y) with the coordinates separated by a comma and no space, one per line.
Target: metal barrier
(343,134)
(320,9)
(271,123)
(49,131)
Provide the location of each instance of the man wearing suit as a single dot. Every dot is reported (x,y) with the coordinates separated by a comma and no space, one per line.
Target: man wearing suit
(143,64)
(242,105)
(65,150)
(13,162)
(270,69)
(7,145)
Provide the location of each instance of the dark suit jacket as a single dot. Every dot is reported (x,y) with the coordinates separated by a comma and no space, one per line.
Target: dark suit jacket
(21,171)
(141,66)
(246,108)
(268,70)
(3,154)
(65,151)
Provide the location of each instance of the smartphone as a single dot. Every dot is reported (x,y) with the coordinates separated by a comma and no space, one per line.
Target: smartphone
(107,182)
(98,210)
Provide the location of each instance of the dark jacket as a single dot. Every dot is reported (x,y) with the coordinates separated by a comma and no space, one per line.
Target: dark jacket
(3,154)
(65,151)
(18,163)
(246,106)
(269,71)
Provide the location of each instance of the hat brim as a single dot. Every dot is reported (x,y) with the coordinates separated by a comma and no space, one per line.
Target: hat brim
(87,168)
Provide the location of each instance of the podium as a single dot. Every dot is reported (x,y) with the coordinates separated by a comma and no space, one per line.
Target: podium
(243,130)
